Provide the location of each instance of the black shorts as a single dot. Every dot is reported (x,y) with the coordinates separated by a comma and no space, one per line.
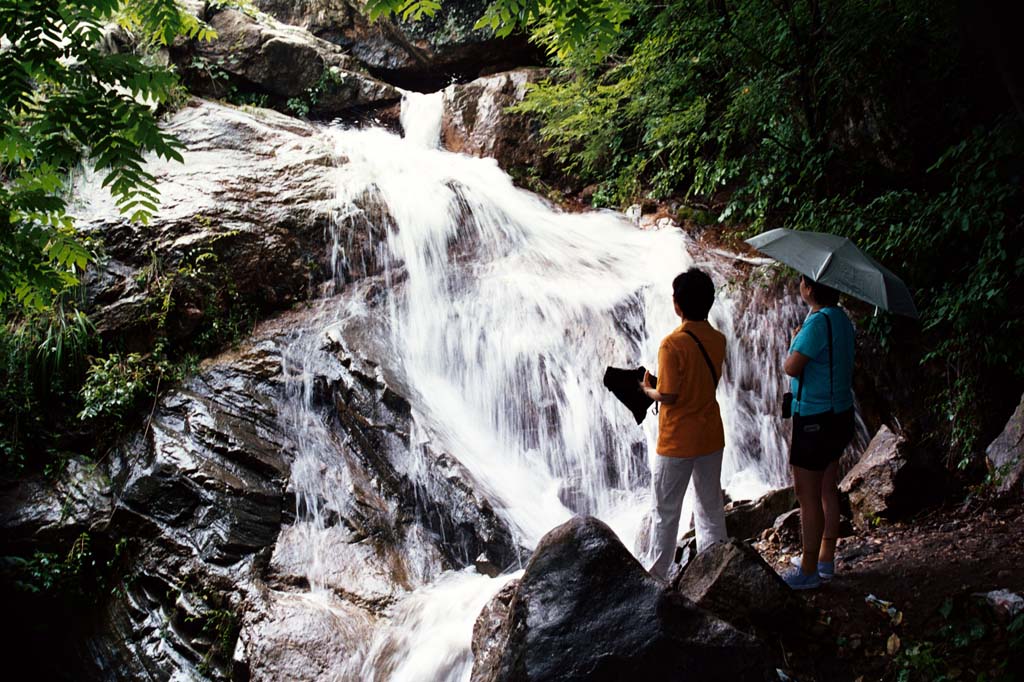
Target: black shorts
(820,439)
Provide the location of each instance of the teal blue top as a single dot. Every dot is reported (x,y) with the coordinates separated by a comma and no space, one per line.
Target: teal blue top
(812,341)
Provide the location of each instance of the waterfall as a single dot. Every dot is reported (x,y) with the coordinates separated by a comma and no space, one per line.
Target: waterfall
(497,319)
(421,118)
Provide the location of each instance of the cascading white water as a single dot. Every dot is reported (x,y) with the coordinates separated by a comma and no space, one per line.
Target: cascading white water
(500,316)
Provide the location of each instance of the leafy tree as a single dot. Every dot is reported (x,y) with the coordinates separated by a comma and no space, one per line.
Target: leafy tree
(562,26)
(65,100)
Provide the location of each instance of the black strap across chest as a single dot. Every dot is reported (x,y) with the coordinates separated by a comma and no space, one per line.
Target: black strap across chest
(800,389)
(707,358)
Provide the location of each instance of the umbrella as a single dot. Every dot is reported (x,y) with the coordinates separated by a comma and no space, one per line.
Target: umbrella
(837,262)
(625,385)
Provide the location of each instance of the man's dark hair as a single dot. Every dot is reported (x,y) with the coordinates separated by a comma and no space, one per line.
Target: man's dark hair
(694,292)
(823,294)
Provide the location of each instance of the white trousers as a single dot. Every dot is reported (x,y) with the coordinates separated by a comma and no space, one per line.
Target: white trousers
(669,480)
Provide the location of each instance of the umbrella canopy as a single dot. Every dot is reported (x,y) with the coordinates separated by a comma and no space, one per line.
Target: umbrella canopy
(837,262)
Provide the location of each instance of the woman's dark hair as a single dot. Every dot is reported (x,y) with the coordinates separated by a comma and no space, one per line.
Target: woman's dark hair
(823,295)
(694,292)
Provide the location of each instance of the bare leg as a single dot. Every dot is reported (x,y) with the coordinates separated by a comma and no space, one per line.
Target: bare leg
(812,516)
(830,504)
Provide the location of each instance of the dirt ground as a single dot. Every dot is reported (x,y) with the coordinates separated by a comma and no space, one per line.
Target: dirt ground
(931,626)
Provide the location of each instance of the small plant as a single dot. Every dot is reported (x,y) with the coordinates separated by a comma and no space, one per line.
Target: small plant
(114,385)
(302,105)
(952,652)
(298,106)
(43,359)
(603,198)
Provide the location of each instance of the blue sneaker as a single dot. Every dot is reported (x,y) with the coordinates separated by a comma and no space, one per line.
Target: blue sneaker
(798,580)
(826,569)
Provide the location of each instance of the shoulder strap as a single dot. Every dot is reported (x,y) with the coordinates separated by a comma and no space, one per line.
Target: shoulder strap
(707,358)
(800,389)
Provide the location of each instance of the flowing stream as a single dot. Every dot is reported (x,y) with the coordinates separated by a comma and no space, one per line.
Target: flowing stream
(499,316)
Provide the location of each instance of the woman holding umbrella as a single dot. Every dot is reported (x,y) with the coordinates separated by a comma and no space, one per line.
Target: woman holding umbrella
(820,363)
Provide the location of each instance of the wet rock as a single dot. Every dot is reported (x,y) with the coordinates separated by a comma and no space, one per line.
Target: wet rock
(39,512)
(424,55)
(303,638)
(491,629)
(586,610)
(465,518)
(476,122)
(256,56)
(248,211)
(1005,455)
(208,472)
(221,546)
(485,566)
(731,580)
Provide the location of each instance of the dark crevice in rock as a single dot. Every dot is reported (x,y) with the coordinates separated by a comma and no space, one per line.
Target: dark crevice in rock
(431,77)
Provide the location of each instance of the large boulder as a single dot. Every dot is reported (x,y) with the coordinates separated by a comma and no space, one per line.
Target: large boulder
(871,484)
(425,54)
(1005,455)
(585,609)
(476,121)
(731,580)
(241,225)
(256,57)
(892,479)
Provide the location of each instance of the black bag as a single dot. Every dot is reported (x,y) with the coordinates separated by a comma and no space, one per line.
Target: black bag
(625,385)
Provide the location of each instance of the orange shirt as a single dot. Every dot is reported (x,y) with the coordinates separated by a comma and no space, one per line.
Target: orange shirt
(692,425)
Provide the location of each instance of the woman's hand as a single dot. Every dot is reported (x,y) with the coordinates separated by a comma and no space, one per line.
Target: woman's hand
(646,383)
(796,331)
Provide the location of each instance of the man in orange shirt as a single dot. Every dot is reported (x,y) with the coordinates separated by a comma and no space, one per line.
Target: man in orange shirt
(691,438)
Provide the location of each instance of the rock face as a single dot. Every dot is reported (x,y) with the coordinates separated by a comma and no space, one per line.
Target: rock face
(731,580)
(54,513)
(256,56)
(1006,454)
(586,610)
(476,122)
(247,211)
(217,541)
(423,55)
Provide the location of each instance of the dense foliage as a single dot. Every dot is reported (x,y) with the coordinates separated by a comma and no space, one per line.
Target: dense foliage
(64,99)
(884,120)
(69,96)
